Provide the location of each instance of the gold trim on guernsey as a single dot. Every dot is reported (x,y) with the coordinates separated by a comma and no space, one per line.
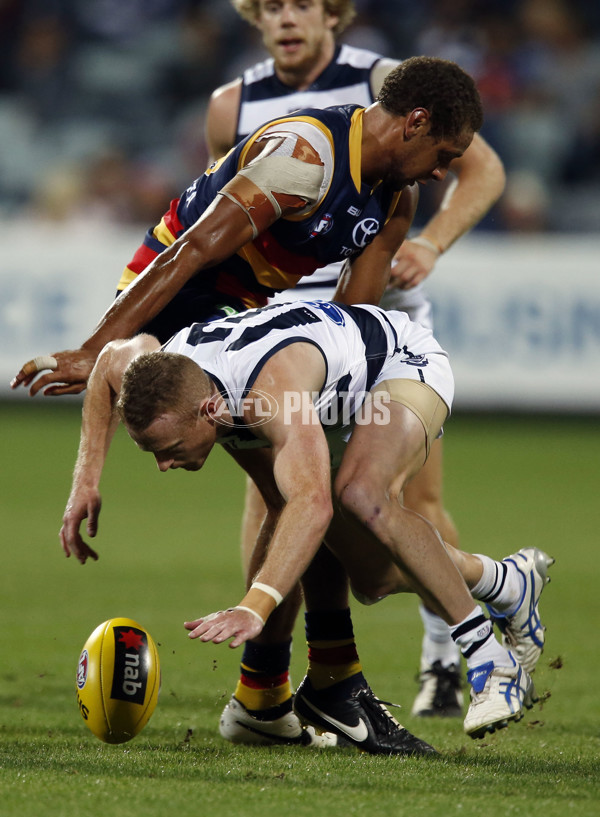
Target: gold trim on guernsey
(162,233)
(355,144)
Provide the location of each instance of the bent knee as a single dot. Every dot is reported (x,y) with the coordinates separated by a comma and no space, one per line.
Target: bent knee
(360,498)
(366,598)
(369,592)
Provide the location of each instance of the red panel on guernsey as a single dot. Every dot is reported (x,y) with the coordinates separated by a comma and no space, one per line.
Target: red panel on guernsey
(171,219)
(144,255)
(229,284)
(283,259)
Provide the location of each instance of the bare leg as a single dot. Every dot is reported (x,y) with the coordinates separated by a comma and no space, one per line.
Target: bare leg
(254,513)
(369,485)
(424,495)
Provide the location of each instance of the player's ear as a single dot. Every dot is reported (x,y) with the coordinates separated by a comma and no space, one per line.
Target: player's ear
(417,120)
(331,20)
(209,408)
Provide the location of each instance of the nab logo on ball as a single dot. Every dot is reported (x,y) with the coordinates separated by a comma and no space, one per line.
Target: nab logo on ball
(118,680)
(132,660)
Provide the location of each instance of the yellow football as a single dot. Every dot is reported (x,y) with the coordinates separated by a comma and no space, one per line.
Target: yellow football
(118,680)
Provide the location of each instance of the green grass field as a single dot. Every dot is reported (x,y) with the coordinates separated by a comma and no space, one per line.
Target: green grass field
(168,548)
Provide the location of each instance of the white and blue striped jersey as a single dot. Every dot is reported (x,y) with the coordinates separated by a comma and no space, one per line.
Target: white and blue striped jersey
(361,346)
(346,80)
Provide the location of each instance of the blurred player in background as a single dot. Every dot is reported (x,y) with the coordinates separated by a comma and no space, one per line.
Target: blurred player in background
(307,68)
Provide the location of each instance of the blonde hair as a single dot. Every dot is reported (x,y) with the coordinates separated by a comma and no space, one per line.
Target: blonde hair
(159,382)
(344,9)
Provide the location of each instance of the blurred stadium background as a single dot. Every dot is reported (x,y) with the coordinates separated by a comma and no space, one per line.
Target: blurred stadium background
(102,106)
(102,109)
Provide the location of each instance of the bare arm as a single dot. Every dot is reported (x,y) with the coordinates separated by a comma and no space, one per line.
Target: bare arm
(480,180)
(221,119)
(222,229)
(99,422)
(363,281)
(301,474)
(479,183)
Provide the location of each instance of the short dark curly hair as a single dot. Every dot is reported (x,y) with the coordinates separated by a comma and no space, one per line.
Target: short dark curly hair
(441,87)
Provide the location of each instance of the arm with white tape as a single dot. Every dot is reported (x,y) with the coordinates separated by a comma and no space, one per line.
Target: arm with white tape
(301,471)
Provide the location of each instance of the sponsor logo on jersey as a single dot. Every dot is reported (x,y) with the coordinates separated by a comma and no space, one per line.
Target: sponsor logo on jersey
(323,226)
(130,676)
(365,231)
(332,311)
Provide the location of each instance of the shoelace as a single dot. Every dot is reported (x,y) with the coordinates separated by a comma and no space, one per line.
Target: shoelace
(377,707)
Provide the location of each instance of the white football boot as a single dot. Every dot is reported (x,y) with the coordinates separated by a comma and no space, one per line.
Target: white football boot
(498,695)
(523,632)
(440,691)
(238,725)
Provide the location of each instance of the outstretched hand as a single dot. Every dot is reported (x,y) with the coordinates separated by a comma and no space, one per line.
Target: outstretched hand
(69,373)
(238,623)
(84,505)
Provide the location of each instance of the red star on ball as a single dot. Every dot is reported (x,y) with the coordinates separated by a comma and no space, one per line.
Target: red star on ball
(132,640)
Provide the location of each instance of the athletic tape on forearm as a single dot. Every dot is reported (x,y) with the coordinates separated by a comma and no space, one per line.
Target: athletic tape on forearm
(261,599)
(271,591)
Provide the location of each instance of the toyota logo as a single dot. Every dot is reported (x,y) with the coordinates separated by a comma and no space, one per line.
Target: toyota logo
(365,231)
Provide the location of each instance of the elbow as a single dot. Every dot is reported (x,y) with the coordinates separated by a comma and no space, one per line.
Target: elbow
(498,173)
(495,173)
(320,513)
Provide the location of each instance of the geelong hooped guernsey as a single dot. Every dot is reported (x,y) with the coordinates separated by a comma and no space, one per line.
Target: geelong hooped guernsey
(358,344)
(346,80)
(341,224)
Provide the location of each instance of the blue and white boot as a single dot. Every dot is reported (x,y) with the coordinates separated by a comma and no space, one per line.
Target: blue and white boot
(498,695)
(523,632)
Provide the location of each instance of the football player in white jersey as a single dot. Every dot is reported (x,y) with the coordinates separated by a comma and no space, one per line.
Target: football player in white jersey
(306,67)
(353,168)
(268,384)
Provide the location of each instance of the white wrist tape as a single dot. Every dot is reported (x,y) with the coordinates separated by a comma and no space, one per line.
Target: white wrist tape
(270,591)
(427,243)
(250,610)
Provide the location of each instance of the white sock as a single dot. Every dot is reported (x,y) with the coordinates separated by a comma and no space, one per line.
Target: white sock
(501,585)
(477,641)
(437,644)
